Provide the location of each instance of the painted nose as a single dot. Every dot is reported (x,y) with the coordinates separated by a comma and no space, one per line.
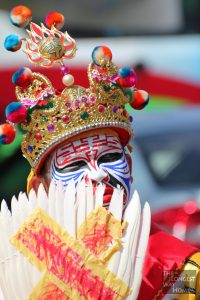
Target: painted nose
(97,175)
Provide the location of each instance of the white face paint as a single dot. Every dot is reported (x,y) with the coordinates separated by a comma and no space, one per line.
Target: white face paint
(99,158)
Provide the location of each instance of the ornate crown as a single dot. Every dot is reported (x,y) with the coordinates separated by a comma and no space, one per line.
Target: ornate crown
(48,117)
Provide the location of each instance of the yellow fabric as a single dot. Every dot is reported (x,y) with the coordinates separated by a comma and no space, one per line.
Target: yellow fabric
(98,231)
(193,283)
(30,176)
(40,225)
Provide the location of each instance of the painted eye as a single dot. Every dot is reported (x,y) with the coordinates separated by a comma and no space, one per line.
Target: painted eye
(75,166)
(110,157)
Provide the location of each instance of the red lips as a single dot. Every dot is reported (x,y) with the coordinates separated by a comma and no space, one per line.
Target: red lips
(107,195)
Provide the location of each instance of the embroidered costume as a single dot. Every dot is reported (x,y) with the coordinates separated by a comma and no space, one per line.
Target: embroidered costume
(78,234)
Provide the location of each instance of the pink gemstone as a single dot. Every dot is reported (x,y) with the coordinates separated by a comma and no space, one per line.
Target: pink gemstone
(76,103)
(87,104)
(84,99)
(101,108)
(68,104)
(64,70)
(54,119)
(92,98)
(65,119)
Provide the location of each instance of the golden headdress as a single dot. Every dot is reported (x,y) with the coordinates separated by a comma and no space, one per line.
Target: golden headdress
(49,118)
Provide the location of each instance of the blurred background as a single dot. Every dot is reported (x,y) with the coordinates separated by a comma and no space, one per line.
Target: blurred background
(161,40)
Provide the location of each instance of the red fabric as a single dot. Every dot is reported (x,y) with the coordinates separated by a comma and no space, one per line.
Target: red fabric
(164,253)
(165,86)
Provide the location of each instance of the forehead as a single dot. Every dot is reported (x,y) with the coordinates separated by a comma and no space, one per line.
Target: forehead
(94,144)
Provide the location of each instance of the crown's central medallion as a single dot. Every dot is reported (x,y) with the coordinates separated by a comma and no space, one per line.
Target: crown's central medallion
(51,48)
(48,46)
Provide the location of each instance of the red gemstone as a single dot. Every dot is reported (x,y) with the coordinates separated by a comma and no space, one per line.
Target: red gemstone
(101,108)
(125,114)
(65,119)
(38,136)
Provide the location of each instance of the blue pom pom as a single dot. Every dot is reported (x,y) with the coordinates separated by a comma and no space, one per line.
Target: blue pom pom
(12,43)
(126,71)
(14,106)
(22,77)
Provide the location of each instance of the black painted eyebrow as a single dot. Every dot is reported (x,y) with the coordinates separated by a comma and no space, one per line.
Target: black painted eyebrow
(109,157)
(78,163)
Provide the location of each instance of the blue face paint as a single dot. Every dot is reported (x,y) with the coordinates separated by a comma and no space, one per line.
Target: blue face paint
(100,158)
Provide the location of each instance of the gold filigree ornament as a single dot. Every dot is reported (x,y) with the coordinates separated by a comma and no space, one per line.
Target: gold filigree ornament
(48,46)
(50,117)
(74,111)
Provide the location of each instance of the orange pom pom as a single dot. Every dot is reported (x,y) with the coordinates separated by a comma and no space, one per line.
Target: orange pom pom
(7,134)
(20,16)
(56,19)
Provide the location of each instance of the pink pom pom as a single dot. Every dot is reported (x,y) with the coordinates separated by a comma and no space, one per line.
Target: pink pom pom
(140,99)
(127,77)
(56,19)
(7,134)
(127,82)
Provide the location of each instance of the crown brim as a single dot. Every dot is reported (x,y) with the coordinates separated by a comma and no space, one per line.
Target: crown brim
(124,132)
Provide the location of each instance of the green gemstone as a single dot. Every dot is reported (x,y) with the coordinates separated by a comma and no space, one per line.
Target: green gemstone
(43,119)
(50,105)
(112,86)
(106,88)
(84,115)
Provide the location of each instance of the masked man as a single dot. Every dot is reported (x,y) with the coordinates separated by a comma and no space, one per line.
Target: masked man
(81,137)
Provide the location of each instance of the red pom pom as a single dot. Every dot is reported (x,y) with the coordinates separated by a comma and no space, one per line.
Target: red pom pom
(16,112)
(7,134)
(22,77)
(140,99)
(127,77)
(56,19)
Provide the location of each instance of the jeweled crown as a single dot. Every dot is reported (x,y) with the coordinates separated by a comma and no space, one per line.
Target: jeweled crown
(50,117)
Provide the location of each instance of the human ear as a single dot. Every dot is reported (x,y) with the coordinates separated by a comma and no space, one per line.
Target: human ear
(35,181)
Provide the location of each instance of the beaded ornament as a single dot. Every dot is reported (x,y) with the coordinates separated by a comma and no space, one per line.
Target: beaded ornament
(50,118)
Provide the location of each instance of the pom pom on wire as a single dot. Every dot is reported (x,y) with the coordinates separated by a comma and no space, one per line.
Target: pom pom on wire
(140,99)
(22,77)
(16,112)
(12,43)
(21,16)
(127,77)
(7,134)
(101,55)
(56,19)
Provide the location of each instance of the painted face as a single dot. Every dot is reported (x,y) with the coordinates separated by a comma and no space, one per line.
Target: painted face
(99,158)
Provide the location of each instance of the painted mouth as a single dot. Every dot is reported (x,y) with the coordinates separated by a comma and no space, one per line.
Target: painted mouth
(107,195)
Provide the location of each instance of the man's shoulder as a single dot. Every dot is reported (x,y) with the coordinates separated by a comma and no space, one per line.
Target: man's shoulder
(165,255)
(163,245)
